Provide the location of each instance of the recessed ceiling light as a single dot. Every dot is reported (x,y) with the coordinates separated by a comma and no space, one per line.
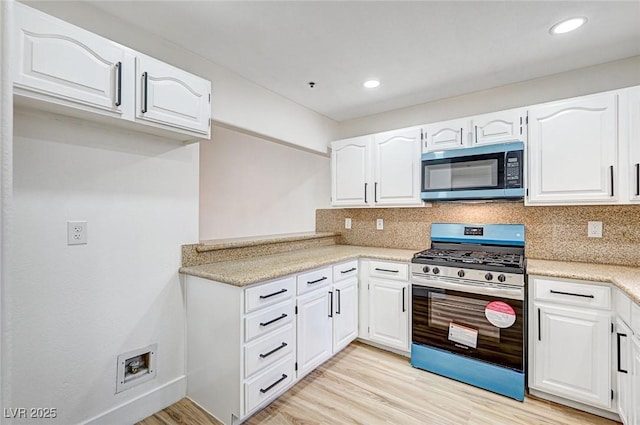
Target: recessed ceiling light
(567,25)
(371,84)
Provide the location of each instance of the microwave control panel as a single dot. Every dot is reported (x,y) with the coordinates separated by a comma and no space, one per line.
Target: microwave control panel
(513,169)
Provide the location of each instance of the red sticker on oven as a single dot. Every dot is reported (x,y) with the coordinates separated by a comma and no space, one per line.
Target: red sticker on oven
(500,314)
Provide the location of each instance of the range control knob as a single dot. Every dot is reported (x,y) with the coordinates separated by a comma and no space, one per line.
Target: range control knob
(488,276)
(460,273)
(502,277)
(436,270)
(425,269)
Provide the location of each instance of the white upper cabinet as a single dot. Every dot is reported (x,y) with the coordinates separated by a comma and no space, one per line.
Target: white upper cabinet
(350,172)
(67,63)
(396,170)
(498,127)
(573,150)
(72,71)
(171,96)
(446,135)
(378,170)
(633,103)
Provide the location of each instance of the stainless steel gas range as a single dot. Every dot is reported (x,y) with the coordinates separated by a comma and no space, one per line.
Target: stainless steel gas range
(468,306)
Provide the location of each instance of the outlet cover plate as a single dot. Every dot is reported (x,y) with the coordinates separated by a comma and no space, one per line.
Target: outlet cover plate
(76,232)
(379,224)
(594,229)
(347,223)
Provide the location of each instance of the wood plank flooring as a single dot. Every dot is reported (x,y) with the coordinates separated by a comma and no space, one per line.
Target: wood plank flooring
(365,385)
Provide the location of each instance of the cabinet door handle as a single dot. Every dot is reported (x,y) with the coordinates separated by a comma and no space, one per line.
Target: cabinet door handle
(282,291)
(118,84)
(348,271)
(330,303)
(539,327)
(375,192)
(264,390)
(637,179)
(571,294)
(403,306)
(387,270)
(311,282)
(284,344)
(611,175)
(365,192)
(273,320)
(338,296)
(618,341)
(145,80)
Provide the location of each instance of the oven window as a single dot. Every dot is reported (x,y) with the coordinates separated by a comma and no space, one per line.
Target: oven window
(459,322)
(464,173)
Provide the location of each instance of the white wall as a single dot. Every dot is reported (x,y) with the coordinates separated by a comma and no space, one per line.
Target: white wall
(608,76)
(72,309)
(236,101)
(250,186)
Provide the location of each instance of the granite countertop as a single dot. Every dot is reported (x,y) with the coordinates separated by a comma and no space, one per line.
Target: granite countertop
(247,271)
(217,244)
(625,278)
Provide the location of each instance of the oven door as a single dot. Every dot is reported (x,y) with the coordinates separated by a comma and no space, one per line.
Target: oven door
(481,326)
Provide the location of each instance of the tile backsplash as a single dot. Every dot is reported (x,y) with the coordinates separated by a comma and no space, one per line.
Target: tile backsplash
(553,233)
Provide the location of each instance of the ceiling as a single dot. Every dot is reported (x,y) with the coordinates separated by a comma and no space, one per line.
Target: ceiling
(420,51)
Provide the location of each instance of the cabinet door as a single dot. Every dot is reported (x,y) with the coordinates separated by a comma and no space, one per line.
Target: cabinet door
(388,313)
(572,151)
(498,127)
(172,97)
(345,313)
(634,143)
(397,159)
(634,413)
(350,172)
(314,330)
(446,135)
(61,61)
(572,354)
(623,368)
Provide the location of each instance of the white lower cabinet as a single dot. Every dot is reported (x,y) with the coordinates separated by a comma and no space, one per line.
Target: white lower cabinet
(634,404)
(314,330)
(345,315)
(624,370)
(385,321)
(569,340)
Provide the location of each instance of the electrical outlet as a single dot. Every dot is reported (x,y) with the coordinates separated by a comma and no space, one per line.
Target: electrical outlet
(347,223)
(379,224)
(76,232)
(594,229)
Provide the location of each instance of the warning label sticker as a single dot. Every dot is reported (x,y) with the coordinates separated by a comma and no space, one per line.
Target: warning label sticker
(463,335)
(500,314)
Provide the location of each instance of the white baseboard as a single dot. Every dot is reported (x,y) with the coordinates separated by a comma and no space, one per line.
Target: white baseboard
(144,405)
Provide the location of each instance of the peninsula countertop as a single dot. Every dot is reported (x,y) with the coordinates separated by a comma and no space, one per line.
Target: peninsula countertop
(247,271)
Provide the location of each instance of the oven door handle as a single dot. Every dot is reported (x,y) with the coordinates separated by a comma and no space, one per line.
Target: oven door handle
(511,293)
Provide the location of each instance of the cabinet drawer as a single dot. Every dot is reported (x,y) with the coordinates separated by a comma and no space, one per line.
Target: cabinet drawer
(262,353)
(314,279)
(345,270)
(389,270)
(269,384)
(267,320)
(572,292)
(623,306)
(269,293)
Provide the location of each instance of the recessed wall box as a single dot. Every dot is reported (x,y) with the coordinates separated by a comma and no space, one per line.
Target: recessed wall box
(136,367)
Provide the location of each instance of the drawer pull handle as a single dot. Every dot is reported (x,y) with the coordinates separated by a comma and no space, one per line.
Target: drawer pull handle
(282,291)
(264,390)
(311,282)
(618,338)
(387,270)
(284,344)
(348,271)
(572,294)
(273,320)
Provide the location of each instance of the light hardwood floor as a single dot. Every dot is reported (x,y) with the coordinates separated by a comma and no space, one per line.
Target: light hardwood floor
(365,385)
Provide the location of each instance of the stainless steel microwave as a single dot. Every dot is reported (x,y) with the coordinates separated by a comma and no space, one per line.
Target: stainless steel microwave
(481,172)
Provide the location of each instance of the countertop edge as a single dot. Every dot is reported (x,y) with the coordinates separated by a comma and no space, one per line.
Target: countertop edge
(206,247)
